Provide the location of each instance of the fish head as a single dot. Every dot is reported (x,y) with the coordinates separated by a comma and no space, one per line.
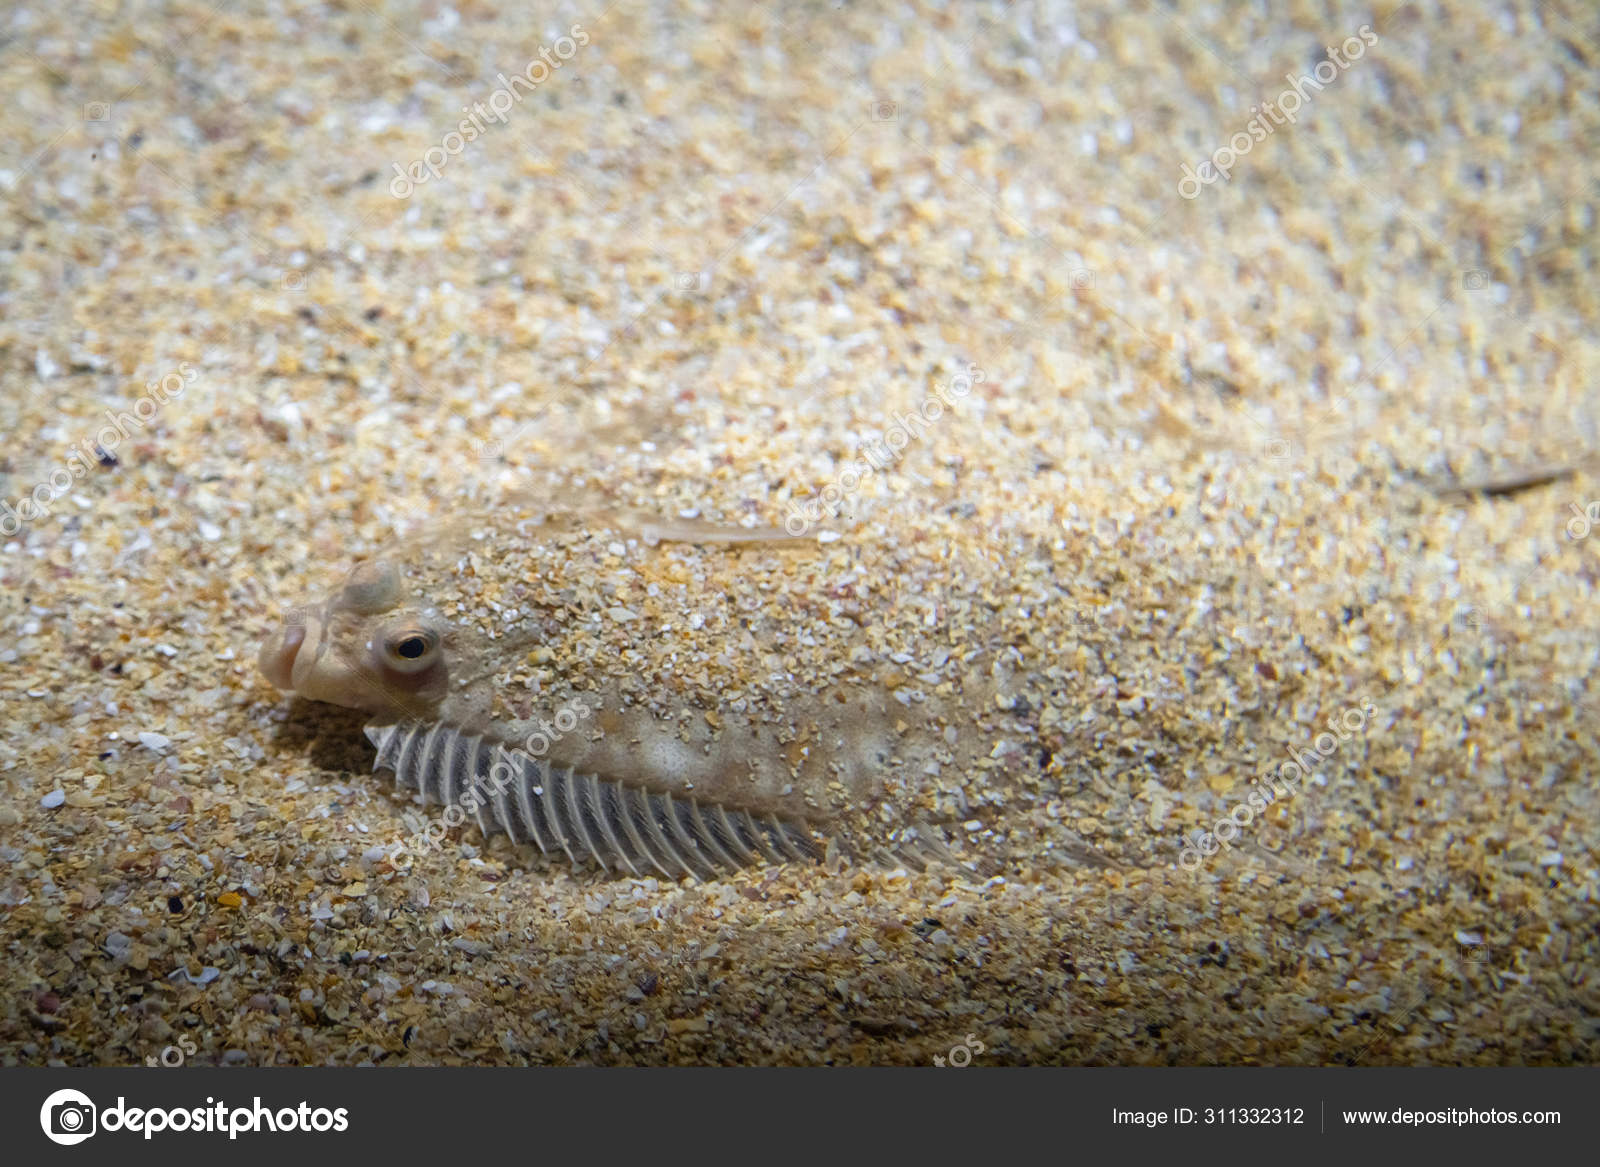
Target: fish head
(370,645)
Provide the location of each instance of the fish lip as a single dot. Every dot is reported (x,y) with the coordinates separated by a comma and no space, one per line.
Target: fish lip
(278,653)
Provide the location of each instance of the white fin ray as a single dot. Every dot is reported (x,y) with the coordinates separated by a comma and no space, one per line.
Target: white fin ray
(617,824)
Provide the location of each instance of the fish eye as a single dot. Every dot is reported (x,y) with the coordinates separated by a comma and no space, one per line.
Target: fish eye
(410,648)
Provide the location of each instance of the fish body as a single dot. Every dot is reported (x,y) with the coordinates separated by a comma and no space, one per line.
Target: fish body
(673,696)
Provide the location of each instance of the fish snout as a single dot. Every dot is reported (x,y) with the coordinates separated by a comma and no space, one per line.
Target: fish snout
(279,650)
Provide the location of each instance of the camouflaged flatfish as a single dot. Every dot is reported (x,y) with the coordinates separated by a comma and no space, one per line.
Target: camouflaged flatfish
(676,698)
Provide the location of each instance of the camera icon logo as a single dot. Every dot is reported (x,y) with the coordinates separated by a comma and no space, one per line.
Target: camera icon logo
(97,111)
(1475,280)
(1276,449)
(883,111)
(1082,279)
(68,1117)
(294,281)
(692,281)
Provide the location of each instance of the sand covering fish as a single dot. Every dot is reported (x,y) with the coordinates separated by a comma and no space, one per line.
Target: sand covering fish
(652,695)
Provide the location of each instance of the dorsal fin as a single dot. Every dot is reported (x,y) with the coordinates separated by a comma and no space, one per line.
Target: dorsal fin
(588,816)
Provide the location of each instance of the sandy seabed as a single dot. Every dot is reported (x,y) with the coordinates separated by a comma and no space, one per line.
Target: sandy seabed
(265,303)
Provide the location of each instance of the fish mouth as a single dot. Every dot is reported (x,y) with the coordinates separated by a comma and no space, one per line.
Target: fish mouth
(278,654)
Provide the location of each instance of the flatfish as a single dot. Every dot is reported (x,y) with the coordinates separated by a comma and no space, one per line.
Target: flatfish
(666,697)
